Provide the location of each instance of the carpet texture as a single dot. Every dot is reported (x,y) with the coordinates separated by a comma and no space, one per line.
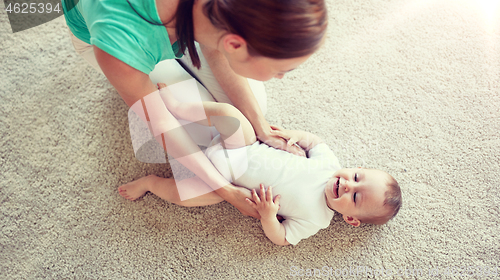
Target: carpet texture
(408,86)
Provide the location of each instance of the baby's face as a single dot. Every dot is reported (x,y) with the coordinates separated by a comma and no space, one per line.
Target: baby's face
(357,192)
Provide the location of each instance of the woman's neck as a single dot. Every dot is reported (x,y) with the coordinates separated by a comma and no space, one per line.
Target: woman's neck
(166,11)
(204,32)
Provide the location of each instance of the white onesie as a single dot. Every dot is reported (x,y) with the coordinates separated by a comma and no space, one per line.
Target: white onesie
(300,181)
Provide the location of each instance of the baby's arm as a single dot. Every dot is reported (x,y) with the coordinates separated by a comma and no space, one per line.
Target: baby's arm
(304,139)
(268,209)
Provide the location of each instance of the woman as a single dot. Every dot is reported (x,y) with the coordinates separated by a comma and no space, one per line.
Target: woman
(258,39)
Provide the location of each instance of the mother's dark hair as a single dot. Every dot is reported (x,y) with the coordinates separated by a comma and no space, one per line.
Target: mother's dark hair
(272,28)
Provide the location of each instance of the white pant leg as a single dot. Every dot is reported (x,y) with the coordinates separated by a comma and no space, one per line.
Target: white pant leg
(168,72)
(171,72)
(205,75)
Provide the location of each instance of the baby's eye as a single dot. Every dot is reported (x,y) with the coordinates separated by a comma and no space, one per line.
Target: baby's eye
(354,198)
(355,177)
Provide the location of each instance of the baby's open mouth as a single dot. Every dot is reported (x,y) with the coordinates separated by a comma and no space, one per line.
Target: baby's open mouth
(336,188)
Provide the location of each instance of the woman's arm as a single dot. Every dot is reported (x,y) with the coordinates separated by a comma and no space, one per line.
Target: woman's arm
(133,85)
(305,140)
(239,92)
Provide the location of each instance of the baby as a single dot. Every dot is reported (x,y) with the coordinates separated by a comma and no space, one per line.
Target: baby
(309,189)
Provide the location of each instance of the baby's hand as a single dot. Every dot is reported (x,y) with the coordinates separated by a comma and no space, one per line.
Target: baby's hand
(264,203)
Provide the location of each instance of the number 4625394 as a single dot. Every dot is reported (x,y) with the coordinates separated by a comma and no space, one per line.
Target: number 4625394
(32,8)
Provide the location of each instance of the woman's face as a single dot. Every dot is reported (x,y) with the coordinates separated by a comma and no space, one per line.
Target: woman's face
(264,68)
(259,68)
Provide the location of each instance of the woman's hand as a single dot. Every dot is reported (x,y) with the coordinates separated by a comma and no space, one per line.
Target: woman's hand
(303,139)
(290,136)
(279,142)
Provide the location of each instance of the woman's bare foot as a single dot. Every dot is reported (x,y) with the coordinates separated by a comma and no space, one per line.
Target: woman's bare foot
(161,85)
(137,188)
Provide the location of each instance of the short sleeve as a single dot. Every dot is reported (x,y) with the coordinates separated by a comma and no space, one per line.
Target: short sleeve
(321,150)
(122,46)
(297,230)
(119,28)
(324,153)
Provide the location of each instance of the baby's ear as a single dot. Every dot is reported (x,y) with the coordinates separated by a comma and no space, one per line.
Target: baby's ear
(352,221)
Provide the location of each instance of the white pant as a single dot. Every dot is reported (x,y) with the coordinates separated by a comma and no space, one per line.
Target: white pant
(171,72)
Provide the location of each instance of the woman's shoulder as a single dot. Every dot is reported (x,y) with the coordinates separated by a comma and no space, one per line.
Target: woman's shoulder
(128,30)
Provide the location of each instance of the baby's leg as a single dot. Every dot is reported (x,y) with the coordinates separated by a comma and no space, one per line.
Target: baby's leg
(235,129)
(166,189)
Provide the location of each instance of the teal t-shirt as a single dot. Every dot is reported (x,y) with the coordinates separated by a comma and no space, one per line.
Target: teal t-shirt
(114,27)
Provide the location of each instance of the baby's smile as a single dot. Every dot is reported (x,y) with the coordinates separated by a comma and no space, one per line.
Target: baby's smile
(336,188)
(360,193)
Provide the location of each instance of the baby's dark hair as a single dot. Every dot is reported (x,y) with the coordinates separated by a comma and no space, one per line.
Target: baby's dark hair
(393,201)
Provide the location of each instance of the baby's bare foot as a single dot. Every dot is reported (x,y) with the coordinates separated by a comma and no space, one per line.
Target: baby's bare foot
(137,188)
(161,85)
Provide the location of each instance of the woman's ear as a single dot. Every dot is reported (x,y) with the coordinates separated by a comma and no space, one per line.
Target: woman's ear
(352,221)
(233,42)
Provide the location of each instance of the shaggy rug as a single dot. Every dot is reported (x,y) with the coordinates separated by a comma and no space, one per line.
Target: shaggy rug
(408,86)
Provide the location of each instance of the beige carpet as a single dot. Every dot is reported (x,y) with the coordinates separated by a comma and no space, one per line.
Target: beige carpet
(408,86)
